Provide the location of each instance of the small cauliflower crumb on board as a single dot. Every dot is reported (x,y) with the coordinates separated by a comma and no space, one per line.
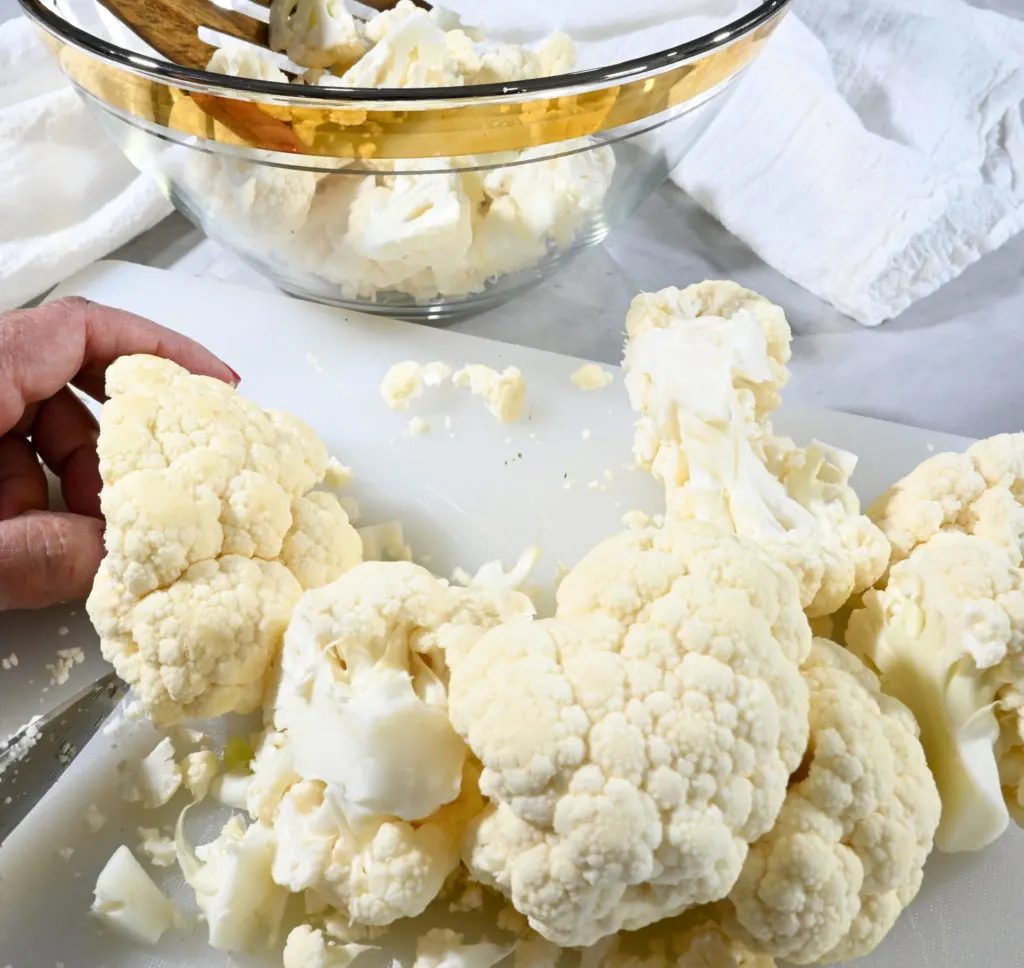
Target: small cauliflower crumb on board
(590,377)
(503,393)
(9,662)
(67,659)
(402,384)
(417,427)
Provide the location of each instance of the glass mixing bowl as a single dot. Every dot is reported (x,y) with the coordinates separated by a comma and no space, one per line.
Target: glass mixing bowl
(422,203)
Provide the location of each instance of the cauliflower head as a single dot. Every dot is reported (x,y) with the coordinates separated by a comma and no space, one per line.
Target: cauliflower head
(946,636)
(634,745)
(213,532)
(846,854)
(980,492)
(361,777)
(704,368)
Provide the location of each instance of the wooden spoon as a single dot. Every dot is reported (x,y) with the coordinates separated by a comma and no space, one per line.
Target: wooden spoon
(171,27)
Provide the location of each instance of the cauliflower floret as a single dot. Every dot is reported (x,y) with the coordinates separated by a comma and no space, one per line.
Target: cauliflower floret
(155,779)
(633,746)
(980,492)
(946,636)
(211,537)
(444,948)
(502,63)
(316,33)
(704,369)
(198,771)
(245,60)
(846,855)
(308,948)
(127,900)
(361,776)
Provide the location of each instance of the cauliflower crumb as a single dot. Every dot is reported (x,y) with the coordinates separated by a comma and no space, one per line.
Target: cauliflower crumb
(590,377)
(385,542)
(67,659)
(586,434)
(443,948)
(154,780)
(337,476)
(471,899)
(198,771)
(94,818)
(503,393)
(159,849)
(307,947)
(401,384)
(418,427)
(434,374)
(636,519)
(11,662)
(65,853)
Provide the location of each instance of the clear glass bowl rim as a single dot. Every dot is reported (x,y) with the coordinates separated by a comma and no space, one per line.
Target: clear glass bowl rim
(402,98)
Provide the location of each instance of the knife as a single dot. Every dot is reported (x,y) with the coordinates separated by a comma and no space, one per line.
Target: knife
(33,758)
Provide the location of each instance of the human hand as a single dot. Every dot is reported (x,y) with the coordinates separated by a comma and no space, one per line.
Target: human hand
(48,556)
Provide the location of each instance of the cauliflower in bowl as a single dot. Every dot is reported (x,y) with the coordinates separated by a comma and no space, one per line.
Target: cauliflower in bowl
(423,228)
(636,744)
(214,529)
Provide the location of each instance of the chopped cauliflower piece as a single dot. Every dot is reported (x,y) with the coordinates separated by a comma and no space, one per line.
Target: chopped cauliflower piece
(657,719)
(704,367)
(980,492)
(198,771)
(159,849)
(590,377)
(337,476)
(231,789)
(94,818)
(418,427)
(155,779)
(443,948)
(846,854)
(231,878)
(127,900)
(503,393)
(401,384)
(385,542)
(946,635)
(316,33)
(211,537)
(307,947)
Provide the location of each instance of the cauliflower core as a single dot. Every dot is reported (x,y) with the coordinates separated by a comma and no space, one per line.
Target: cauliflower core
(634,745)
(704,367)
(946,635)
(846,854)
(213,532)
(361,776)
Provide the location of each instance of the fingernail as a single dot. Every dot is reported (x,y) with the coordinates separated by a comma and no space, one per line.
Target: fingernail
(238,378)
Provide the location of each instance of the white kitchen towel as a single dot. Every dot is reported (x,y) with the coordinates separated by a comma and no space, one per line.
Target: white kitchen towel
(875,149)
(67,194)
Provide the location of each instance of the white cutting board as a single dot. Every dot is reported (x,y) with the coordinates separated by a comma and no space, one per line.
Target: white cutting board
(466,495)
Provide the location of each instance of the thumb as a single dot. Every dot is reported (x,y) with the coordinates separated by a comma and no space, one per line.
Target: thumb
(47,557)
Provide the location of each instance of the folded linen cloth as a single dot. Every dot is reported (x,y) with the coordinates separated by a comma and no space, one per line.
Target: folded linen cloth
(67,194)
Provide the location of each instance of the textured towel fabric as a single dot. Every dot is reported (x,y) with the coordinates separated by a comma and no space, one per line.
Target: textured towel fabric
(67,194)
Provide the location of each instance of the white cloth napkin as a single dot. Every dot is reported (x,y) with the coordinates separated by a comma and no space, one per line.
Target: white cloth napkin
(67,194)
(875,150)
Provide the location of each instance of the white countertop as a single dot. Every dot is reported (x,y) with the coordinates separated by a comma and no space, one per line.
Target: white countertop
(950,363)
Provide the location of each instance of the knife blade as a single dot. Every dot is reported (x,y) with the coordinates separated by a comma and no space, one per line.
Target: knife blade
(33,758)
